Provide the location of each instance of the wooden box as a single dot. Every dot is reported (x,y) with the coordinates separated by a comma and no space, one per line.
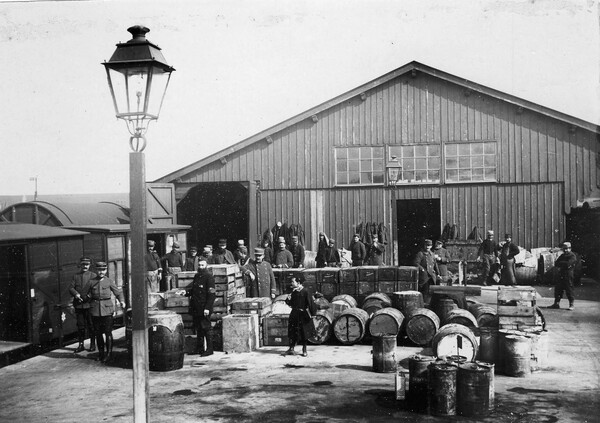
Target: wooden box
(311,276)
(387,287)
(328,289)
(275,331)
(184,279)
(156,301)
(240,333)
(387,273)
(348,287)
(329,275)
(407,286)
(223,269)
(178,301)
(367,273)
(366,287)
(348,274)
(407,273)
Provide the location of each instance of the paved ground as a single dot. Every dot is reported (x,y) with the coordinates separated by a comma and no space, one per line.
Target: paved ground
(334,384)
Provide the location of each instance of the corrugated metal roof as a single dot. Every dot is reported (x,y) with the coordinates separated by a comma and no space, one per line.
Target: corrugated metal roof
(410,67)
(10,232)
(92,213)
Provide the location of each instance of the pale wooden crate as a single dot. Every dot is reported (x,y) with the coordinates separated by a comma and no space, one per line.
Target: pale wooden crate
(185,279)
(516,293)
(526,310)
(179,301)
(223,269)
(240,333)
(516,320)
(156,301)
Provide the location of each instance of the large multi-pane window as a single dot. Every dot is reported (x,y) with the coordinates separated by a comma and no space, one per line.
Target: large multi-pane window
(420,163)
(470,162)
(359,166)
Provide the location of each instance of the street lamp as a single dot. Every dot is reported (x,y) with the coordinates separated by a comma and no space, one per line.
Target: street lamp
(394,171)
(138,76)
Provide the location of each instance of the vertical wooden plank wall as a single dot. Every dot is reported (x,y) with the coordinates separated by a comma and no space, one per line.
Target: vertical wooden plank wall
(544,165)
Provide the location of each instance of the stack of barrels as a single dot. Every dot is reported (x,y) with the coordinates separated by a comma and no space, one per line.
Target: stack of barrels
(447,386)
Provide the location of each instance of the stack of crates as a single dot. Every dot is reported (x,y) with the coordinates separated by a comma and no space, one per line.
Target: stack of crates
(225,285)
(517,307)
(275,330)
(328,281)
(367,282)
(348,279)
(387,278)
(260,306)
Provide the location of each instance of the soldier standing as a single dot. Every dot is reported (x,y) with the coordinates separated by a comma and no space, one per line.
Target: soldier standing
(428,268)
(173,265)
(191,263)
(260,273)
(566,263)
(80,286)
(102,309)
(488,253)
(298,252)
(153,267)
(202,295)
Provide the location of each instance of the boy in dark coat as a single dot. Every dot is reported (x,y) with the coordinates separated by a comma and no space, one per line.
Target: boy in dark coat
(303,308)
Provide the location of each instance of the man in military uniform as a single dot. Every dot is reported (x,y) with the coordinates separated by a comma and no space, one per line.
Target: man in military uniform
(261,281)
(202,292)
(508,251)
(80,286)
(173,265)
(102,309)
(566,263)
(298,252)
(153,267)
(428,268)
(488,254)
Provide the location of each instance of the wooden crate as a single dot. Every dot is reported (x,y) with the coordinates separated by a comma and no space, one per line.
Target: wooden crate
(387,273)
(407,274)
(387,287)
(184,279)
(178,301)
(240,333)
(367,273)
(275,331)
(348,274)
(223,269)
(156,301)
(407,286)
(348,287)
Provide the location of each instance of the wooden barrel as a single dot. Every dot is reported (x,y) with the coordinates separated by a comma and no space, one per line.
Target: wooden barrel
(488,344)
(421,325)
(407,300)
(490,368)
(386,322)
(376,301)
(351,326)
(348,299)
(384,354)
(341,303)
(461,317)
(322,303)
(166,340)
(516,350)
(455,339)
(484,314)
(323,322)
(442,388)
(418,380)
(472,390)
(526,275)
(442,307)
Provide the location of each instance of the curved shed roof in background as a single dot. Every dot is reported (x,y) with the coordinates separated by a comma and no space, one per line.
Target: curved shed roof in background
(65,214)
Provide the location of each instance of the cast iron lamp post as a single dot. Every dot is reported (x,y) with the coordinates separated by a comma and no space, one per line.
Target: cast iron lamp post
(138,76)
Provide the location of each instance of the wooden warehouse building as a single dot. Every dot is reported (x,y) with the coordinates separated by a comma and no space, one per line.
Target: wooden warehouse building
(470,156)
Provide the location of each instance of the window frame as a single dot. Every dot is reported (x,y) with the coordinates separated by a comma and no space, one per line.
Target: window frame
(356,165)
(461,156)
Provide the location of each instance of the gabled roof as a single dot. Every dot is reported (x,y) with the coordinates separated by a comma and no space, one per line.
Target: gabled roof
(410,67)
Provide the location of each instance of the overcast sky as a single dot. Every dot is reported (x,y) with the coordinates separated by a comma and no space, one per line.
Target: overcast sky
(243,66)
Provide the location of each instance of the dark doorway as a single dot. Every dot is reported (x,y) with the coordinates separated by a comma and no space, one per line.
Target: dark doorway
(215,210)
(14,321)
(417,220)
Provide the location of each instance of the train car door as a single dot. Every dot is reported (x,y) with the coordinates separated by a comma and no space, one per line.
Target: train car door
(14,310)
(69,253)
(45,293)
